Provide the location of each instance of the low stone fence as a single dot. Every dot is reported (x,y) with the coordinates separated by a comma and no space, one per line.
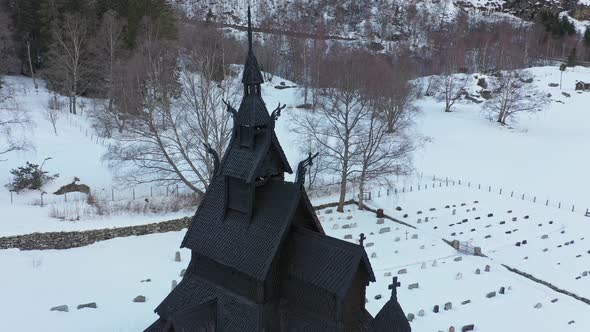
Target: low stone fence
(67,240)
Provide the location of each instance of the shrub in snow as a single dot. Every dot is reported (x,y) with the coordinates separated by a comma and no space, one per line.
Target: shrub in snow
(30,176)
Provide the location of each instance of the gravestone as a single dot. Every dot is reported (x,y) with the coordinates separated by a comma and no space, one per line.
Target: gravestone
(465,302)
(474,209)
(411,317)
(426,219)
(91,305)
(544,237)
(452,329)
(385,230)
(488,236)
(554,300)
(335,226)
(177,256)
(490,215)
(423,265)
(348,217)
(435,309)
(413,286)
(502,290)
(477,271)
(380,221)
(139,299)
(419,220)
(538,306)
(328,211)
(415,236)
(62,308)
(370,244)
(514,219)
(487,268)
(345,226)
(490,295)
(348,236)
(434,264)
(374,255)
(454,211)
(397,239)
(458,259)
(402,271)
(182,272)
(459,276)
(387,274)
(468,328)
(398,208)
(448,306)
(174,284)
(422,247)
(378,297)
(421,313)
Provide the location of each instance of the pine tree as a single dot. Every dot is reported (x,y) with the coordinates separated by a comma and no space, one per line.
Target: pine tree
(587,36)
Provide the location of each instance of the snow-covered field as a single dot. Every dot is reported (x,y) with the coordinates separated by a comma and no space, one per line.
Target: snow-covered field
(543,156)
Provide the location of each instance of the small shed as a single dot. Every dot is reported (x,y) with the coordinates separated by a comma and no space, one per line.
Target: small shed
(582,86)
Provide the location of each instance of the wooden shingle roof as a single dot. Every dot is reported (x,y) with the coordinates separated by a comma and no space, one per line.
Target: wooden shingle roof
(324,261)
(248,246)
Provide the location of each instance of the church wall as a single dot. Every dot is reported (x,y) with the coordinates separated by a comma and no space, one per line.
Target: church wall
(354,301)
(307,297)
(224,276)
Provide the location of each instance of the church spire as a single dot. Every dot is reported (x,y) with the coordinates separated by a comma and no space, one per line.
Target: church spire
(249,30)
(252,74)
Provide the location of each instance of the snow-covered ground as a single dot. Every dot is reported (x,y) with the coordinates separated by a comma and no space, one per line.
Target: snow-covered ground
(542,155)
(110,273)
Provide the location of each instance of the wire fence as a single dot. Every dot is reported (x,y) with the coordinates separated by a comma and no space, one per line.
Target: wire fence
(433,182)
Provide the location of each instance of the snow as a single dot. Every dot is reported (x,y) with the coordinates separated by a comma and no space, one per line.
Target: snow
(542,156)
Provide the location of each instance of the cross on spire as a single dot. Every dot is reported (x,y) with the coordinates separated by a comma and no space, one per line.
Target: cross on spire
(362,239)
(394,285)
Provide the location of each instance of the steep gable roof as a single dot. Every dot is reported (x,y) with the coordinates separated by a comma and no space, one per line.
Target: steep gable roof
(324,261)
(234,313)
(249,246)
(391,318)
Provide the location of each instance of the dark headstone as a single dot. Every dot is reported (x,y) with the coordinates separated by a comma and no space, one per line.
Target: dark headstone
(435,309)
(380,213)
(139,299)
(465,302)
(490,295)
(502,290)
(468,328)
(448,306)
(398,208)
(87,305)
(177,256)
(378,297)
(413,286)
(490,215)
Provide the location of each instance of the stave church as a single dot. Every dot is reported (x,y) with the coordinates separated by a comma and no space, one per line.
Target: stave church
(260,258)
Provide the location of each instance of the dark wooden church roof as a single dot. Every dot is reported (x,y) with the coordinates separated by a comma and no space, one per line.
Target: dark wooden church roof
(243,164)
(233,312)
(246,245)
(324,261)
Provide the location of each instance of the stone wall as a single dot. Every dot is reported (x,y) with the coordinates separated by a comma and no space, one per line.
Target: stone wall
(67,240)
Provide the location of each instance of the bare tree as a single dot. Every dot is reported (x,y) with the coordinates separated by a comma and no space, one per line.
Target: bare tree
(452,86)
(14,122)
(175,97)
(512,97)
(52,111)
(335,123)
(69,57)
(107,46)
(382,153)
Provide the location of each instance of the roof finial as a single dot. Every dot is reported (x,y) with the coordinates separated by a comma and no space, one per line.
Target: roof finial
(249,30)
